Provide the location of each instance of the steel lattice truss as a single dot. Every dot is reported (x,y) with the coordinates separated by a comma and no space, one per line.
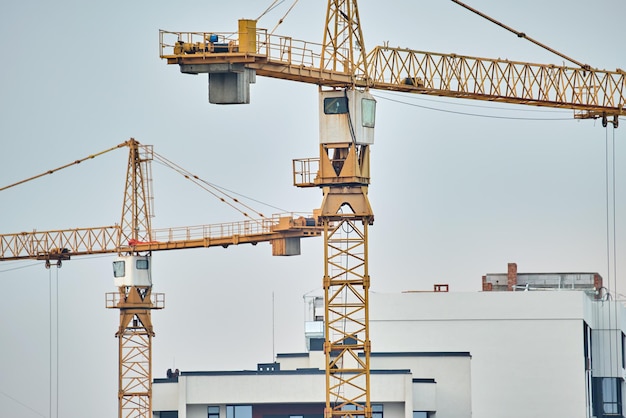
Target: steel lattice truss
(346,284)
(589,90)
(343,49)
(135,373)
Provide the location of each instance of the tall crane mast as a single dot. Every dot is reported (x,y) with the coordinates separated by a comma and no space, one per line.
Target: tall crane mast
(134,240)
(345,72)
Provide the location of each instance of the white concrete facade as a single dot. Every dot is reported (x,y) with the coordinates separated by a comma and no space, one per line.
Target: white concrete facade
(528,348)
(489,354)
(300,383)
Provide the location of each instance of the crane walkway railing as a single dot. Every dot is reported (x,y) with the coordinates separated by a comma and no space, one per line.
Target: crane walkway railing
(589,92)
(61,244)
(275,48)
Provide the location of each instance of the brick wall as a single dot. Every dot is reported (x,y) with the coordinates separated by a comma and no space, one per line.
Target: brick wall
(511,275)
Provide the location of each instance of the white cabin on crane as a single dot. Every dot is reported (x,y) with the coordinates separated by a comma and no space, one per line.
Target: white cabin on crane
(347,116)
(132,270)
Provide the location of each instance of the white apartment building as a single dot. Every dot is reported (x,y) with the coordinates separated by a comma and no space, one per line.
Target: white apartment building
(554,352)
(294,386)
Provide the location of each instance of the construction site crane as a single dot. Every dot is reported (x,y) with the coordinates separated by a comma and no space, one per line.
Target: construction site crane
(345,71)
(134,240)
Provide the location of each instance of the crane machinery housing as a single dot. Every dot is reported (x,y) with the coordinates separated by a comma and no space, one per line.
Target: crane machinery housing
(345,71)
(134,240)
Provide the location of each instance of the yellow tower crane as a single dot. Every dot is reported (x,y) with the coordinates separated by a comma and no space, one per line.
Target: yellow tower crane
(134,240)
(345,72)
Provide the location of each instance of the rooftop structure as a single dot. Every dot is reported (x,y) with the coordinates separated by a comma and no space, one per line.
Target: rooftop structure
(512,281)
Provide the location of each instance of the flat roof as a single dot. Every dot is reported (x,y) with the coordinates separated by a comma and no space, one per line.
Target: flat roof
(296,372)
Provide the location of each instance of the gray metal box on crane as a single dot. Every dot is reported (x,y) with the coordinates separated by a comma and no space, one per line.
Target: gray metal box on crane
(230,84)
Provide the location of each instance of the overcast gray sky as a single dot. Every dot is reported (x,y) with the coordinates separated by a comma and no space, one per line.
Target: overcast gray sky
(457,192)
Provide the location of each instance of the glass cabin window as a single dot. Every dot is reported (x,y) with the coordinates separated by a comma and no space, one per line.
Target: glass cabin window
(119,268)
(368,112)
(335,105)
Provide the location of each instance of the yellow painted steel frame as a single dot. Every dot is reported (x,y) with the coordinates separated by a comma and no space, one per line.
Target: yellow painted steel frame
(136,209)
(135,348)
(343,48)
(347,345)
(346,215)
(135,302)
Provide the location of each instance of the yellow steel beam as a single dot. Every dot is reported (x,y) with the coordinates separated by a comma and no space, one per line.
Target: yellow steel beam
(346,215)
(594,91)
(346,326)
(591,91)
(135,348)
(62,244)
(48,244)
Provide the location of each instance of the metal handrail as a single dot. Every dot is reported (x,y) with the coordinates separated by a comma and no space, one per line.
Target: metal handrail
(275,48)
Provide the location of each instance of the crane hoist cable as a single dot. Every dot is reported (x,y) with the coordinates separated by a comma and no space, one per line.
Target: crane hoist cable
(455,102)
(166,162)
(467,113)
(523,35)
(214,190)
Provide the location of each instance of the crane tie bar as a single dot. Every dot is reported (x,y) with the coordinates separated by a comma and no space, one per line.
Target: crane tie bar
(64,166)
(523,35)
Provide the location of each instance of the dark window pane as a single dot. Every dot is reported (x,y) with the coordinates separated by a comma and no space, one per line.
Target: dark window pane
(335,105)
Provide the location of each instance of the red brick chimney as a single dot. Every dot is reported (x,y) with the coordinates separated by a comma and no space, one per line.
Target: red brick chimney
(487,287)
(511,276)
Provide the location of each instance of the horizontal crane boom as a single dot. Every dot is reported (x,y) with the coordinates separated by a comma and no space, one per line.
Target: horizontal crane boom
(591,92)
(63,244)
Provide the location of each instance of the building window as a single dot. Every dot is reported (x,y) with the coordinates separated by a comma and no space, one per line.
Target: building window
(623,351)
(377,409)
(238,411)
(352,407)
(168,414)
(607,397)
(213,412)
(420,414)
